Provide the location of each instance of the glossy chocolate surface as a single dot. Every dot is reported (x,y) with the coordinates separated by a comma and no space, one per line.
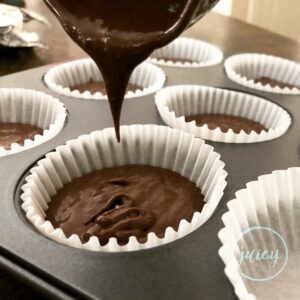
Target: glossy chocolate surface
(119,35)
(226,122)
(274,83)
(124,201)
(17,133)
(95,87)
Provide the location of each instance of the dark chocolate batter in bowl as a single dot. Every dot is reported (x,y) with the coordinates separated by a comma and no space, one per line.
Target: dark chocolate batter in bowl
(119,35)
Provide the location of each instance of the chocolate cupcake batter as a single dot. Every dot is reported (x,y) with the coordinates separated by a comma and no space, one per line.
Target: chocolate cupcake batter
(124,201)
(226,122)
(119,35)
(274,83)
(95,87)
(17,133)
(180,60)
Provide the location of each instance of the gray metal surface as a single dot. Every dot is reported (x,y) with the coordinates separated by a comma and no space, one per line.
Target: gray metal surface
(189,268)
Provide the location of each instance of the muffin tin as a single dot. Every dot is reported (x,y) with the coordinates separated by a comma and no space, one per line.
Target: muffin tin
(188,268)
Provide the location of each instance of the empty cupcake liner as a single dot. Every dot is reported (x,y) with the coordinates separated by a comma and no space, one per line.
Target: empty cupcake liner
(34,108)
(269,209)
(201,53)
(63,77)
(141,144)
(176,102)
(245,68)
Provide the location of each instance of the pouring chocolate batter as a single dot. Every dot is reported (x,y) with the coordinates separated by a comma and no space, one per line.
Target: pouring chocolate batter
(119,35)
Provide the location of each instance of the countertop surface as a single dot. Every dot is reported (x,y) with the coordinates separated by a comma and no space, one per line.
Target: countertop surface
(227,33)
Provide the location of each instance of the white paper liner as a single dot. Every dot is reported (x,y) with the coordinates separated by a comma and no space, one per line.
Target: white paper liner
(34,108)
(245,68)
(274,202)
(141,144)
(202,53)
(10,16)
(64,76)
(176,102)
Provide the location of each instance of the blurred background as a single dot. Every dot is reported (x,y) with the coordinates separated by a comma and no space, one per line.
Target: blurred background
(236,26)
(279,16)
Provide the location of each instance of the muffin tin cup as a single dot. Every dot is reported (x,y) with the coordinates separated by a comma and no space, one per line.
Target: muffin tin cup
(245,68)
(201,53)
(176,102)
(63,77)
(272,205)
(34,108)
(141,144)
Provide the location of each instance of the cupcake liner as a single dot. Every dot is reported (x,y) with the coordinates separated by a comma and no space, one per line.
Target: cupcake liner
(269,207)
(34,108)
(203,53)
(61,77)
(176,102)
(245,68)
(141,144)
(10,16)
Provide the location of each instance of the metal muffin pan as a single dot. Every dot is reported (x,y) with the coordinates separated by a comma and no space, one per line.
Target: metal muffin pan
(189,268)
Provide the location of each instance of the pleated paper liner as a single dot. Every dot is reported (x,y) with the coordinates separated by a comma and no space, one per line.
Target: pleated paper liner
(141,144)
(176,102)
(62,78)
(264,217)
(244,69)
(33,108)
(10,17)
(188,53)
